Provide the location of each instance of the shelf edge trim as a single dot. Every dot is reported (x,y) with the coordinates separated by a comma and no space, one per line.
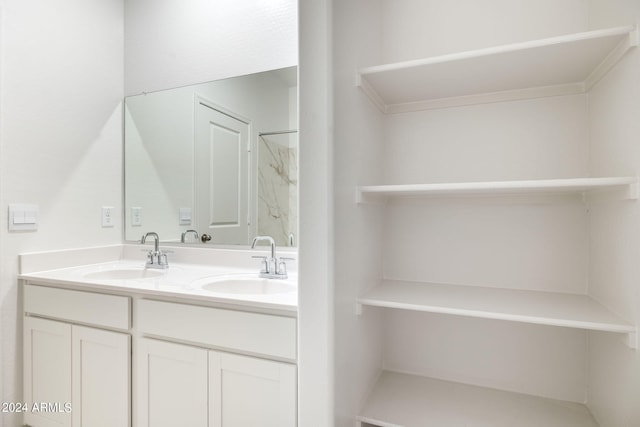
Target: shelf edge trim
(575,324)
(532,44)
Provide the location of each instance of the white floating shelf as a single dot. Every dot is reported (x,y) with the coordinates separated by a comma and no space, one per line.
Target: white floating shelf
(563,65)
(543,308)
(400,400)
(547,186)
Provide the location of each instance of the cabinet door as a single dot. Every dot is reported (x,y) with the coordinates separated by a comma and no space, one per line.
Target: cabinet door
(246,392)
(171,385)
(47,372)
(101,377)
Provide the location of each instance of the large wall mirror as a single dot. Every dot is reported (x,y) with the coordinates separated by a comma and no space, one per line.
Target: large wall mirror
(215,162)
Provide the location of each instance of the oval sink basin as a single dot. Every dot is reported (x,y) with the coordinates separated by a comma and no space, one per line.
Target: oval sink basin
(123,274)
(248,285)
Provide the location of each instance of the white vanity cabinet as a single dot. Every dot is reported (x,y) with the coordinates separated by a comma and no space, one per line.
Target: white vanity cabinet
(187,385)
(193,385)
(248,391)
(125,358)
(75,375)
(101,372)
(47,370)
(172,384)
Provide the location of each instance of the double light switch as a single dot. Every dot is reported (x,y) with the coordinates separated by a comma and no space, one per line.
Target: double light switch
(23,217)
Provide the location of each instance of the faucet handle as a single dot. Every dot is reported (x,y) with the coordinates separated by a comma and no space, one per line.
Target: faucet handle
(282,269)
(264,264)
(282,266)
(162,259)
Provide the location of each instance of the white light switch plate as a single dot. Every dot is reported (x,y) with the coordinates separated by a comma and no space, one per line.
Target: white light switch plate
(136,216)
(184,216)
(23,217)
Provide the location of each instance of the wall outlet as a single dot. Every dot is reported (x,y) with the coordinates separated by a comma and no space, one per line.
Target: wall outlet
(108,219)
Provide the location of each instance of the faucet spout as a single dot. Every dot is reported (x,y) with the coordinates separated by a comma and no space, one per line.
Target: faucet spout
(267,239)
(156,246)
(183,237)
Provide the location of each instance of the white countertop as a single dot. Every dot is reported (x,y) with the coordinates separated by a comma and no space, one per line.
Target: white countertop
(180,280)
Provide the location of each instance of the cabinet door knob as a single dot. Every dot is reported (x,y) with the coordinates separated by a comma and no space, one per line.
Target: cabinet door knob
(205,238)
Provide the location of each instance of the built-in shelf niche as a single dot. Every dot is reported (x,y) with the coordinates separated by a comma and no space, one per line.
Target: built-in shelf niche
(563,65)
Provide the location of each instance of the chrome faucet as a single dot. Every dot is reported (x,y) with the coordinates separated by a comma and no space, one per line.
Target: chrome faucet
(184,235)
(272,268)
(155,258)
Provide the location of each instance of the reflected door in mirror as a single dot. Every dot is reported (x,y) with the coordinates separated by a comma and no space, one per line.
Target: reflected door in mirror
(221,174)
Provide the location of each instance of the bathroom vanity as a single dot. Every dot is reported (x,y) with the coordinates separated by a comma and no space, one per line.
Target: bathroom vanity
(108,342)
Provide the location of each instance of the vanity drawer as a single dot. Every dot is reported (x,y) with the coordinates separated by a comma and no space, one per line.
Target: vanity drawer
(78,306)
(228,329)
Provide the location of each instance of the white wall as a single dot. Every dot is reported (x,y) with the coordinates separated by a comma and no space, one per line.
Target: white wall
(614,108)
(60,140)
(536,243)
(358,160)
(315,252)
(174,43)
(421,28)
